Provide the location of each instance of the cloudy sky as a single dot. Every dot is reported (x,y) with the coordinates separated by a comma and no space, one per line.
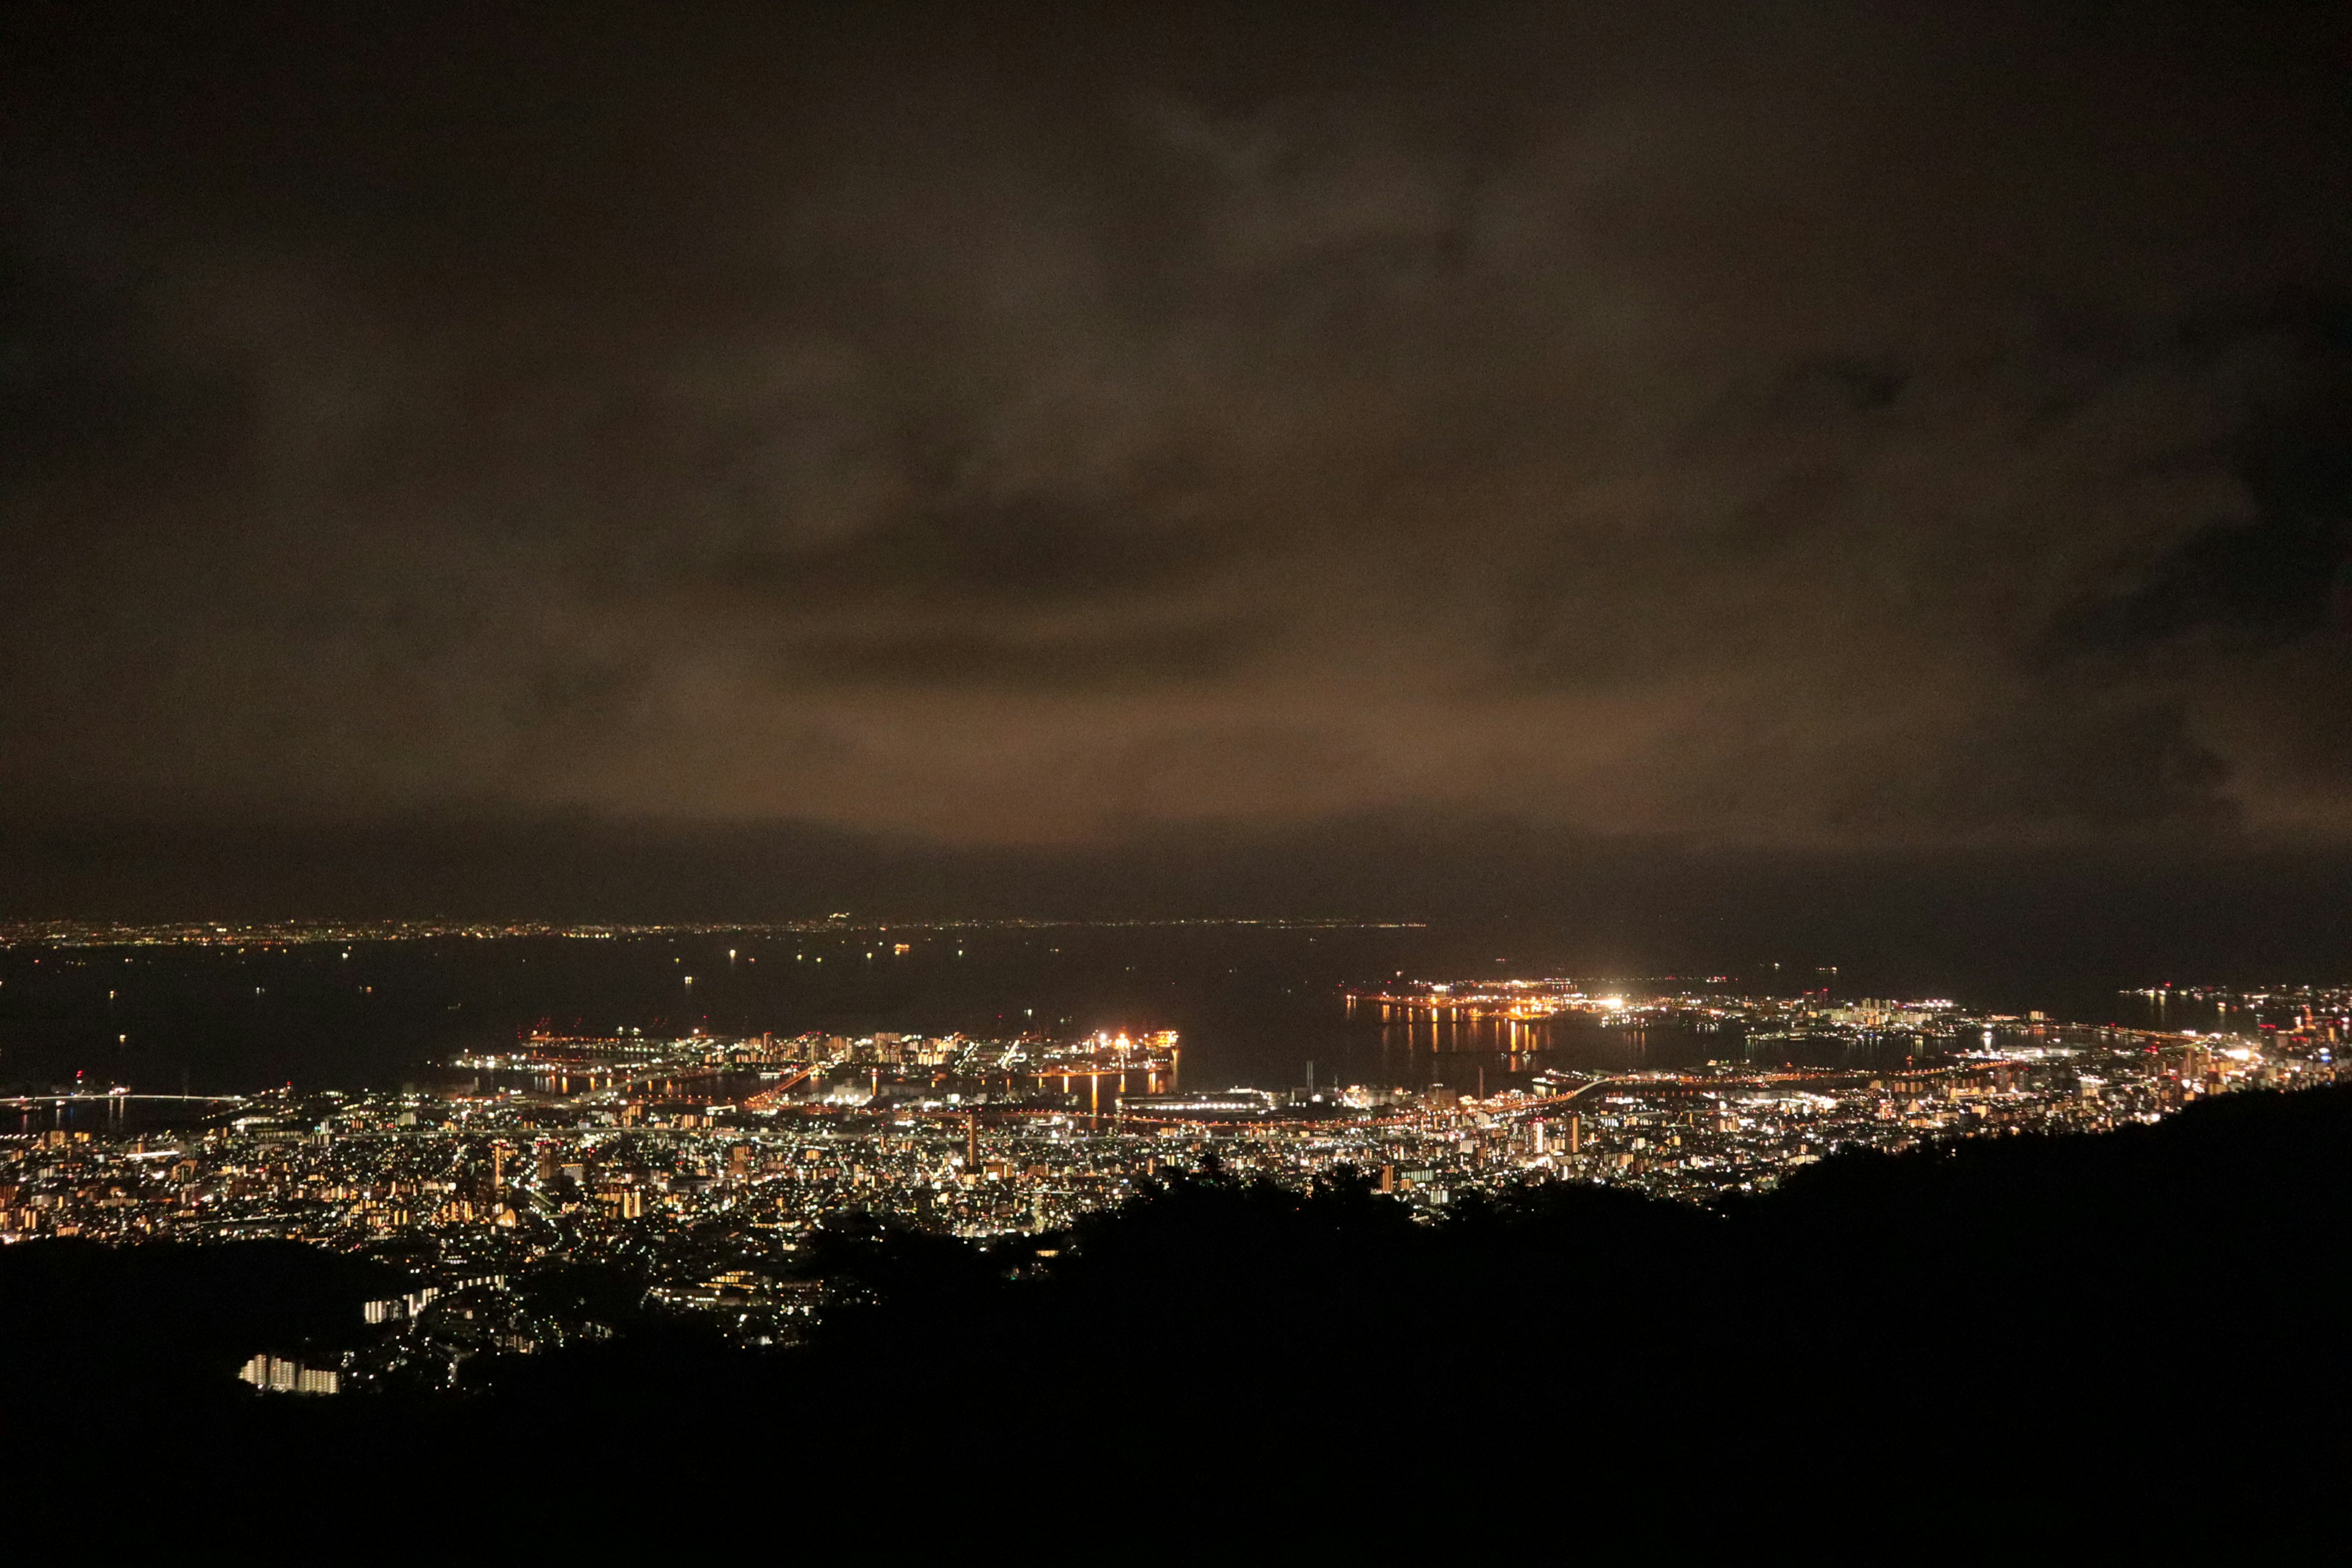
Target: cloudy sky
(1785,429)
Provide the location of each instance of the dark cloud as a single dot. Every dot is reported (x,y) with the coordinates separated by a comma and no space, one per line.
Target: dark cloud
(1777,426)
(2284,571)
(1021,552)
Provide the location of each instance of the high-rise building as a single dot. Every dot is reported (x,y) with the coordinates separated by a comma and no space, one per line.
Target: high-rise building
(276,1375)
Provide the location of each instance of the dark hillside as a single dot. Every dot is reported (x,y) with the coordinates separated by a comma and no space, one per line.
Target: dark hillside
(2133,1332)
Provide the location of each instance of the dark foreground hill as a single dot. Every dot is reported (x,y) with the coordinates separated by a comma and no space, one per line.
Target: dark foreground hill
(2010,1343)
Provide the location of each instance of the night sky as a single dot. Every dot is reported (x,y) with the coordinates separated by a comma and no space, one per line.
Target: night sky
(1734,459)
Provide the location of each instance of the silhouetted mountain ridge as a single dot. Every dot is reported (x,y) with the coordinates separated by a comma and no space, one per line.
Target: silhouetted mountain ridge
(2120,1332)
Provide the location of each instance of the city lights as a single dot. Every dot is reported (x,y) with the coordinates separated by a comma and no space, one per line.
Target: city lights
(706,1162)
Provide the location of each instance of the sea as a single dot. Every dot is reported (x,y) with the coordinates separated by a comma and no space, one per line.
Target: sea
(1255,1004)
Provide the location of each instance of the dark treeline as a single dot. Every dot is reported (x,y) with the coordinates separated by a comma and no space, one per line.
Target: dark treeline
(2113,1337)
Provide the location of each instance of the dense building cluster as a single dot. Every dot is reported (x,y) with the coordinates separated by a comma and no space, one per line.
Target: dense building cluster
(700,1167)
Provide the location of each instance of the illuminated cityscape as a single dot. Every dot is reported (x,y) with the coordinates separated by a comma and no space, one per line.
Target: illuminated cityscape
(1569,777)
(705,1166)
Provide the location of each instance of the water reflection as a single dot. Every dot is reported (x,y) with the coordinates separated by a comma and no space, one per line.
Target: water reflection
(107,1116)
(1422,1046)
